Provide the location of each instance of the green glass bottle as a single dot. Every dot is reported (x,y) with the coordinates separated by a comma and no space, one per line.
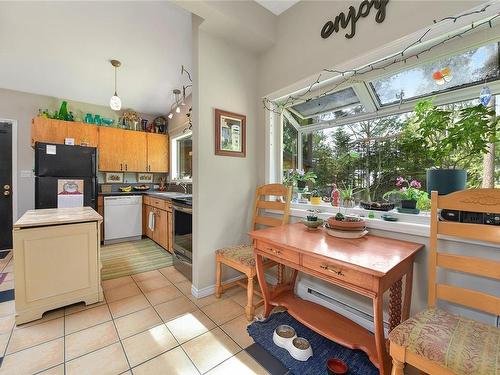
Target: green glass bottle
(63,111)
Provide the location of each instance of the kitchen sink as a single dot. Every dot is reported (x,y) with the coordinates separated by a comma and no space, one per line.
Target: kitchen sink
(170,194)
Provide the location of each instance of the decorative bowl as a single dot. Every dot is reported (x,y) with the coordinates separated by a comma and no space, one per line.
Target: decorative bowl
(336,366)
(107,121)
(346,225)
(313,225)
(377,206)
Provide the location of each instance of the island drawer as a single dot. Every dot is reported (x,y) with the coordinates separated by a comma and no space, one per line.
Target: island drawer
(156,202)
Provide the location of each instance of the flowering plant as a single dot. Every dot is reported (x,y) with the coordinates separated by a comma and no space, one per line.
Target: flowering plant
(407,189)
(291,176)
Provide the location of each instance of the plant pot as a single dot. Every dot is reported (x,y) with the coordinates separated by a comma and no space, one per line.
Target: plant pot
(409,203)
(315,200)
(446,181)
(301,185)
(349,203)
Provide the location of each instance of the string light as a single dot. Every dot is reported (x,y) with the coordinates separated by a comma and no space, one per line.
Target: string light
(382,64)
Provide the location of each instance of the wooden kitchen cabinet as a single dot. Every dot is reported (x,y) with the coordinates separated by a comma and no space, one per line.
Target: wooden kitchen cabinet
(122,150)
(110,156)
(83,134)
(134,151)
(158,151)
(48,130)
(162,231)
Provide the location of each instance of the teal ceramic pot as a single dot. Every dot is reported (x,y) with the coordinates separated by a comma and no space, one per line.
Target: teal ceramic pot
(446,181)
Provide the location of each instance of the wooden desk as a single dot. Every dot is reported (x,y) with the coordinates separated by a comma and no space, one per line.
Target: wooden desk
(368,266)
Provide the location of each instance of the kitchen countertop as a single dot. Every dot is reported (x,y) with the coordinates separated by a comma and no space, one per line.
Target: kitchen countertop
(55,216)
(158,194)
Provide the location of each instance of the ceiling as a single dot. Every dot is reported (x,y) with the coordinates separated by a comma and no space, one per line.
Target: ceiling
(63,49)
(277,6)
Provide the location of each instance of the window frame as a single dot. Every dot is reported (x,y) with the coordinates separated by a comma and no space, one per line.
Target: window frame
(174,165)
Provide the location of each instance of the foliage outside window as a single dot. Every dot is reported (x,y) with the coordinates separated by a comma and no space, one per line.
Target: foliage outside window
(182,157)
(370,155)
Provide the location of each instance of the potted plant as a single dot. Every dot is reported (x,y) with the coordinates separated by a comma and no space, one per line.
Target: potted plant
(347,196)
(297,177)
(408,191)
(315,197)
(450,137)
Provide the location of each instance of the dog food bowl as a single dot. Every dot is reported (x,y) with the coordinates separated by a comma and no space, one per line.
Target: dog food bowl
(336,366)
(283,334)
(299,348)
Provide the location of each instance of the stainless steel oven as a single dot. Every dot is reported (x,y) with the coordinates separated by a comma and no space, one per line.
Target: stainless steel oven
(183,236)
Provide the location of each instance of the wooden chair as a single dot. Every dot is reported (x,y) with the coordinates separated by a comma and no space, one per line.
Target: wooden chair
(435,341)
(241,257)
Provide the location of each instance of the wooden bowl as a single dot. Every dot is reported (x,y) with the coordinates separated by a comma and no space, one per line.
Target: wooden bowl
(336,366)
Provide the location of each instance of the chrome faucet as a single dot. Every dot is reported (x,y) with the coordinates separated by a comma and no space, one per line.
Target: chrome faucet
(183,184)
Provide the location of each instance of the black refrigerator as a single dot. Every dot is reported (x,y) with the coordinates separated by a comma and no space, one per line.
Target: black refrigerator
(64,169)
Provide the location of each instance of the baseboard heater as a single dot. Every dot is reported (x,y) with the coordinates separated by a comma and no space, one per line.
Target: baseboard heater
(353,313)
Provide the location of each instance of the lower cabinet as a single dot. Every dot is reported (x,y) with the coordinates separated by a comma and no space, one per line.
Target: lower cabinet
(161,231)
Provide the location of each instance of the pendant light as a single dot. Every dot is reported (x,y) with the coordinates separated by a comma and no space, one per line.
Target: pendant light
(115,102)
(176,93)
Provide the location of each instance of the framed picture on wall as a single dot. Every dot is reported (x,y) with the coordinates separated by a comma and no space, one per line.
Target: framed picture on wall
(144,177)
(230,134)
(114,177)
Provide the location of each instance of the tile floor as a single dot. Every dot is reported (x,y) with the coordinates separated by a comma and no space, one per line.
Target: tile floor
(149,324)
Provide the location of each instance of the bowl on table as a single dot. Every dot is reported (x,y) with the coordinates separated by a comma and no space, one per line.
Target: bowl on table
(312,224)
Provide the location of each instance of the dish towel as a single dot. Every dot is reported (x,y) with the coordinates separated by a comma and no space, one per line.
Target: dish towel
(151,221)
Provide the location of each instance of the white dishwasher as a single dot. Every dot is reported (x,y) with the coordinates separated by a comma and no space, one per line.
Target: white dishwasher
(123,218)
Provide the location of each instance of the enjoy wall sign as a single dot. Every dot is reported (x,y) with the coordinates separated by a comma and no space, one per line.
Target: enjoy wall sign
(353,15)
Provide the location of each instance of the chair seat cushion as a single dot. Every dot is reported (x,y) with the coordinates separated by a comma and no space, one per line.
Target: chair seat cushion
(462,345)
(242,254)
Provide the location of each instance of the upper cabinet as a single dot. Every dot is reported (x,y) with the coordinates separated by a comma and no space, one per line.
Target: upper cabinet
(55,131)
(157,153)
(83,134)
(119,149)
(122,150)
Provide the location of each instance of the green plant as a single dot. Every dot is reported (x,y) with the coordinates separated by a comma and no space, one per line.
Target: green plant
(407,190)
(292,176)
(347,192)
(424,202)
(315,193)
(451,137)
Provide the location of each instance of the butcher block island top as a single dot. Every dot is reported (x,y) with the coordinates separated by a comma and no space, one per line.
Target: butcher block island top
(371,254)
(57,216)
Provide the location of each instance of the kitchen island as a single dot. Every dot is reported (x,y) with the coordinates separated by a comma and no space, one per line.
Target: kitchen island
(56,260)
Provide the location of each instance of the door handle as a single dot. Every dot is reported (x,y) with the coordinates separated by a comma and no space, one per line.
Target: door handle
(121,167)
(126,167)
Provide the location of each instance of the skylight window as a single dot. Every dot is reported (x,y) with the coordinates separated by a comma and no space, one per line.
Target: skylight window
(469,68)
(329,103)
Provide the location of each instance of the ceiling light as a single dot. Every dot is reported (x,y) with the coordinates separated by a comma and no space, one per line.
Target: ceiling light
(178,110)
(170,115)
(115,102)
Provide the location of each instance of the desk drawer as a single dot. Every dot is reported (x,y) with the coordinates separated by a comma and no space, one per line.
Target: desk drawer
(289,255)
(338,271)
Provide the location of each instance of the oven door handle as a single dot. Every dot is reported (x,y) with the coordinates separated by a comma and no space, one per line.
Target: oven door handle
(183,209)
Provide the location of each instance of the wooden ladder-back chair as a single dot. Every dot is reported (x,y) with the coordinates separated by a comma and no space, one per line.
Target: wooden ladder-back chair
(241,257)
(434,340)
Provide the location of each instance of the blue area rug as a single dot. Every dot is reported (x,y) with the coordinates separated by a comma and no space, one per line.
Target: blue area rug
(323,349)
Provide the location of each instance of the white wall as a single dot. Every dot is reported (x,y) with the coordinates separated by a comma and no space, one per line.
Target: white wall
(223,187)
